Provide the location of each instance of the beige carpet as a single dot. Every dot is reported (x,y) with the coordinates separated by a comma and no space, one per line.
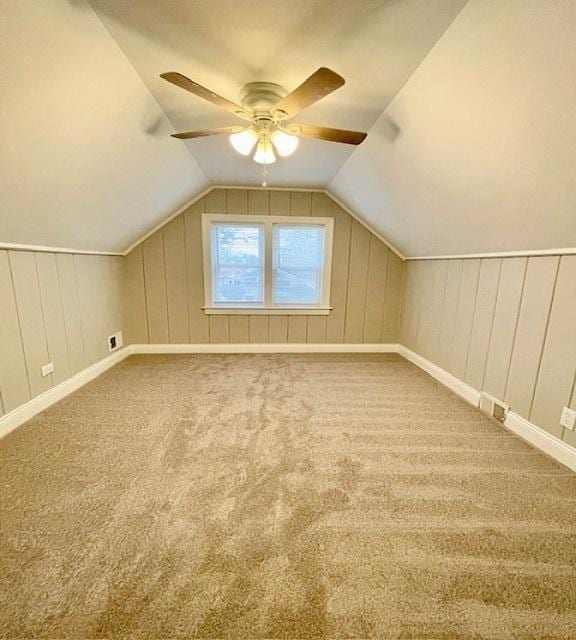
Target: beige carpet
(280,496)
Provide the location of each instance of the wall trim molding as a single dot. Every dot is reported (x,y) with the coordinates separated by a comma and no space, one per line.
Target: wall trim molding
(212,187)
(536,436)
(471,395)
(18,416)
(268,347)
(554,447)
(501,254)
(42,249)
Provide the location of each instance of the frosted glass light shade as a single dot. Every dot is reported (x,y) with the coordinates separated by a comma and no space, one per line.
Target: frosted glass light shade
(244,141)
(285,143)
(264,153)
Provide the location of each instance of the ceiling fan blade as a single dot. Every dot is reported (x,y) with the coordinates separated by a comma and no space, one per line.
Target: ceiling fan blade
(318,85)
(189,85)
(326,133)
(202,133)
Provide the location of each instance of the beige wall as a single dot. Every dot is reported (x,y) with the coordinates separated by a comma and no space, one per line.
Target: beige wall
(506,326)
(164,280)
(56,308)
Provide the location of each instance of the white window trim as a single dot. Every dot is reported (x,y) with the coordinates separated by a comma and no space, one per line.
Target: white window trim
(210,308)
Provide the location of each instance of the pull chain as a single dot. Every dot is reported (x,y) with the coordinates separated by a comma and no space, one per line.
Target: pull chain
(264,174)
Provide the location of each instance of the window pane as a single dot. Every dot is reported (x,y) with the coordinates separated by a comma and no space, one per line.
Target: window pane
(298,263)
(238,263)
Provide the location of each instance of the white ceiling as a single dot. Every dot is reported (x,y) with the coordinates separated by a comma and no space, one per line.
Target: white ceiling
(485,160)
(374,44)
(82,164)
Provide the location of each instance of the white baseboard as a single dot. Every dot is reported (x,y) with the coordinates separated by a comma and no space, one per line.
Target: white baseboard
(464,390)
(281,347)
(536,436)
(18,416)
(541,439)
(554,447)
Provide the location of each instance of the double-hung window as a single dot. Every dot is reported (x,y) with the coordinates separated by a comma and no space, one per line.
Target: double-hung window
(267,264)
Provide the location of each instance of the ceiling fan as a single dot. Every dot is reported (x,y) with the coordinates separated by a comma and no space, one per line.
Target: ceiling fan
(267,107)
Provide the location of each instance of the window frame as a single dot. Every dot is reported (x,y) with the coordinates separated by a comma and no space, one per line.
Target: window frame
(267,307)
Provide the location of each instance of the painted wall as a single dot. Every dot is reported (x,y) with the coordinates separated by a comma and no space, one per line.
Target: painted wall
(165,291)
(57,308)
(506,326)
(484,157)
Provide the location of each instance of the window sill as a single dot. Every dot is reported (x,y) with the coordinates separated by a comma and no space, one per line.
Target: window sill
(274,311)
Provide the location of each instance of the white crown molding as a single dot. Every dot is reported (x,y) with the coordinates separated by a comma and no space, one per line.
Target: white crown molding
(42,249)
(502,254)
(18,416)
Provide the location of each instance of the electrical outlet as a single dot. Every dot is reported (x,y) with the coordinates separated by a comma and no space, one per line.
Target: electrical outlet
(568,418)
(115,341)
(47,369)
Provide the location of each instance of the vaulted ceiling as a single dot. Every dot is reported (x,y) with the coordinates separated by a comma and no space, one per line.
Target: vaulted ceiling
(469,109)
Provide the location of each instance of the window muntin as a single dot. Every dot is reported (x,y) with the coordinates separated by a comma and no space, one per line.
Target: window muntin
(267,263)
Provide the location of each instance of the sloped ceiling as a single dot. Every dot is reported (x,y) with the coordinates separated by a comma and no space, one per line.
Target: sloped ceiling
(224,44)
(485,156)
(82,161)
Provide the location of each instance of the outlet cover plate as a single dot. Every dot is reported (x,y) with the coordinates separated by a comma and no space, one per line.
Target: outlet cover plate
(47,369)
(568,418)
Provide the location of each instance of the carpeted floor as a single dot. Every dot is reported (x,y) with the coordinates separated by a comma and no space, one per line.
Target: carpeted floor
(280,496)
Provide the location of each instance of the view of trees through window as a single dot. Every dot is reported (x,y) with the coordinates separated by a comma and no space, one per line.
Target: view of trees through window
(238,264)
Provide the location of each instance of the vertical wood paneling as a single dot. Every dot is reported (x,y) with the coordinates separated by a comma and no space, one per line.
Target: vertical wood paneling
(297,329)
(199,321)
(31,319)
(357,274)
(239,329)
(437,306)
(482,324)
(410,306)
(300,203)
(558,366)
(504,325)
(176,281)
(464,317)
(279,203)
(530,332)
(219,329)
(340,261)
(366,289)
(259,330)
(258,202)
(278,329)
(53,315)
(392,300)
(155,278)
(449,310)
(14,386)
(375,290)
(425,290)
(135,316)
(237,201)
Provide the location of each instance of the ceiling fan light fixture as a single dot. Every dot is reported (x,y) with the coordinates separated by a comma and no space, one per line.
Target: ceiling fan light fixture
(244,141)
(284,143)
(264,152)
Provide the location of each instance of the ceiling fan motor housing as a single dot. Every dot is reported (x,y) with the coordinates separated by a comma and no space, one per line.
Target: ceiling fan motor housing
(260,97)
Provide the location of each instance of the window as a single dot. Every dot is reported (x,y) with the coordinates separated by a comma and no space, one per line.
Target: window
(267,264)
